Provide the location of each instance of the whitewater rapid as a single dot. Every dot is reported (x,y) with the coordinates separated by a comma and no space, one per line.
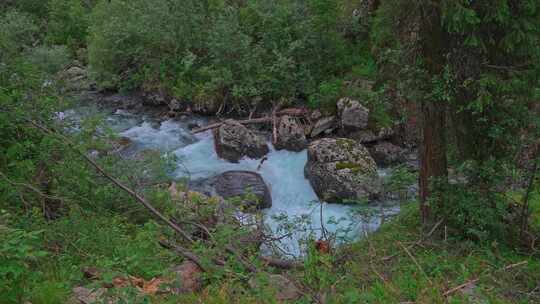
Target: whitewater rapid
(283,171)
(293,198)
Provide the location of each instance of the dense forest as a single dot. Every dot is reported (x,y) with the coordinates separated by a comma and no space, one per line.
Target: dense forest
(254,151)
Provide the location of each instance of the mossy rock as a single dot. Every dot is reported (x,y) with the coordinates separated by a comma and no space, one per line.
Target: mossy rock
(341,169)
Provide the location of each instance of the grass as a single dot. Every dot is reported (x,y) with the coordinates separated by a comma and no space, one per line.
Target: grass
(386,267)
(379,269)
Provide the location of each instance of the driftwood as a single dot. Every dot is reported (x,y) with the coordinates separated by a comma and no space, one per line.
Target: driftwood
(265,119)
(243,122)
(293,112)
(464,285)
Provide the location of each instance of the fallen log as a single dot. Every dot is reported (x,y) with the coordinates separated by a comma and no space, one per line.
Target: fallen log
(266,119)
(243,122)
(293,112)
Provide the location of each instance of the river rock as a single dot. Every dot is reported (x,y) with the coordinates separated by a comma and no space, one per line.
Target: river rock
(74,72)
(76,79)
(341,169)
(154,99)
(246,184)
(371,136)
(385,153)
(290,135)
(315,114)
(175,105)
(322,125)
(233,141)
(353,115)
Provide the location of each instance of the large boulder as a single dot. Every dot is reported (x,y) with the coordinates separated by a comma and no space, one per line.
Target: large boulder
(385,153)
(323,124)
(341,169)
(290,134)
(353,115)
(247,185)
(234,141)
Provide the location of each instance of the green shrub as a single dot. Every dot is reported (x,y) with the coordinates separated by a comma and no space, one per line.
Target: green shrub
(50,60)
(221,51)
(19,250)
(36,8)
(68,23)
(327,95)
(17,32)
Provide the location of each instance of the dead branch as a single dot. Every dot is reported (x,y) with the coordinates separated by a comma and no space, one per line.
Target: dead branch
(183,252)
(515,265)
(464,285)
(417,243)
(281,264)
(415,262)
(31,188)
(266,119)
(293,112)
(243,122)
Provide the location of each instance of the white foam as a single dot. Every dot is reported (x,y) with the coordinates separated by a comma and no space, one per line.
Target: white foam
(168,136)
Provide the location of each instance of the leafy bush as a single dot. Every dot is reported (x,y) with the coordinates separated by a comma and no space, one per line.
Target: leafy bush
(219,51)
(19,249)
(50,60)
(327,95)
(17,31)
(68,23)
(36,8)
(474,204)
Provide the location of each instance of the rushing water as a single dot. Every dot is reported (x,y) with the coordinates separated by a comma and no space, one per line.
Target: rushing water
(283,172)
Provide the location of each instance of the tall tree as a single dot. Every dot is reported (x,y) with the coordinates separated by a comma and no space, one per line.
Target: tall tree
(433,47)
(474,69)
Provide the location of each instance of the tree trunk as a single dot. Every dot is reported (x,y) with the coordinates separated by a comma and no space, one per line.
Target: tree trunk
(433,162)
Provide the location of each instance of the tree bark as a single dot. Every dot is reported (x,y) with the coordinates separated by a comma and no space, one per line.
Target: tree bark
(433,161)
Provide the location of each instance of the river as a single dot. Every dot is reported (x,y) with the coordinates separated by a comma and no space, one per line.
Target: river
(294,200)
